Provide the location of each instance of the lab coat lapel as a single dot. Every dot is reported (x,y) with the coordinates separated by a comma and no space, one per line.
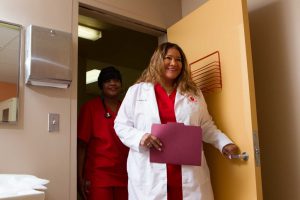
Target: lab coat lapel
(179,98)
(151,106)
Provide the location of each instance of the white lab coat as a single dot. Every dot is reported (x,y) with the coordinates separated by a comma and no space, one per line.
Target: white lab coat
(148,181)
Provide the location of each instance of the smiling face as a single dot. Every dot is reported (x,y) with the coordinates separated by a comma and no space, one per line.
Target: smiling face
(112,88)
(172,66)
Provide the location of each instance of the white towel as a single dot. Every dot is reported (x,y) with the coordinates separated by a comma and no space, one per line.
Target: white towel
(17,184)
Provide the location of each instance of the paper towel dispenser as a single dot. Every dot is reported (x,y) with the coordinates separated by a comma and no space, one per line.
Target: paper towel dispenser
(48,55)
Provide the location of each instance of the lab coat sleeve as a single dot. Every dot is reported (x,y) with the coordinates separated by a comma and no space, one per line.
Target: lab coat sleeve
(211,134)
(124,123)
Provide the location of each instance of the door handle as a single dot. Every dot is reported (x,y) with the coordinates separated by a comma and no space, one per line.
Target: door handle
(243,156)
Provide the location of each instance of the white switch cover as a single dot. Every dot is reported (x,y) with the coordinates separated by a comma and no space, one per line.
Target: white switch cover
(53,122)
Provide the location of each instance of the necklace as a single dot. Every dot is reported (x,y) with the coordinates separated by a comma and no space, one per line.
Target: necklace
(106,114)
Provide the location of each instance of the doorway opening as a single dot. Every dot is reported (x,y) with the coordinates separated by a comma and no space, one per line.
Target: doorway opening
(125,44)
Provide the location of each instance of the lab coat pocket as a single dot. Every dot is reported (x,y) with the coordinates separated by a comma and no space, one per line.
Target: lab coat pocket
(197,174)
(142,172)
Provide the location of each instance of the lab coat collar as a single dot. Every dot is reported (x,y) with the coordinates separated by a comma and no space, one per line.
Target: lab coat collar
(148,91)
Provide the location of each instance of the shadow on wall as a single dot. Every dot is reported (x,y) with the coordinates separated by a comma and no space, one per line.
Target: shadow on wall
(273,67)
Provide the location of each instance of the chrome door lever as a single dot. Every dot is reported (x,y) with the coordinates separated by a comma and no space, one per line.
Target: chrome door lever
(243,156)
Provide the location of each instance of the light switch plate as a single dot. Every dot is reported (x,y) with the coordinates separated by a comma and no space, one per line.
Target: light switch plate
(53,122)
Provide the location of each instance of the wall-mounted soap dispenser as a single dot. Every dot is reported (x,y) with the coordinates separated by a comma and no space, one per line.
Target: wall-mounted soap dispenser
(48,55)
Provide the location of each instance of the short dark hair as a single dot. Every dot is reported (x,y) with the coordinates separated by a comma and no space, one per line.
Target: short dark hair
(108,73)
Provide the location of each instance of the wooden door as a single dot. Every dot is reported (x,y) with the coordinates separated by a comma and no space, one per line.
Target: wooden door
(222,25)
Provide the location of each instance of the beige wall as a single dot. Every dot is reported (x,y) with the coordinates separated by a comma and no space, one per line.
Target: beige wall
(190,5)
(27,147)
(152,12)
(275,36)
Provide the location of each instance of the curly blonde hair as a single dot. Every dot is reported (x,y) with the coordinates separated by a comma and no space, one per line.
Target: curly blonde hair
(153,73)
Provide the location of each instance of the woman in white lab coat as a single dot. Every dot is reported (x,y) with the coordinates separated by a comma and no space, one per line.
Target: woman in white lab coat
(165,93)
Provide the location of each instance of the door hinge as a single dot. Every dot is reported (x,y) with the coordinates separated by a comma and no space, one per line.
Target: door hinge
(256,148)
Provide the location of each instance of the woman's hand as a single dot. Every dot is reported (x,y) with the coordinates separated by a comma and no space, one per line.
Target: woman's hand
(150,141)
(230,149)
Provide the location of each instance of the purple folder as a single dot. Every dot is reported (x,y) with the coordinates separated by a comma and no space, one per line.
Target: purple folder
(181,144)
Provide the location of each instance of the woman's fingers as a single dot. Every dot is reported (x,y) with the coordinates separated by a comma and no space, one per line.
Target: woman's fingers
(150,141)
(155,142)
(230,149)
(145,140)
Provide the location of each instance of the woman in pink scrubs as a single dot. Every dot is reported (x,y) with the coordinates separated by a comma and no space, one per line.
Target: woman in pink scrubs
(166,93)
(101,155)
